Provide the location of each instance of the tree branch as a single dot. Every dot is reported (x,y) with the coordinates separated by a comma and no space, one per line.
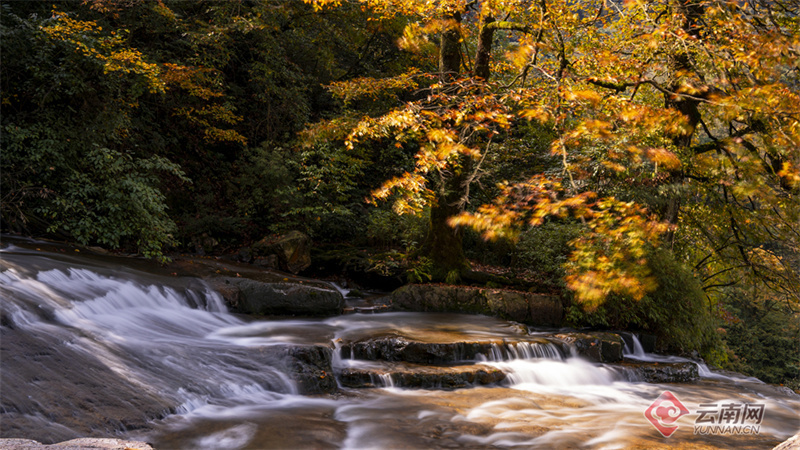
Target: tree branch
(509,26)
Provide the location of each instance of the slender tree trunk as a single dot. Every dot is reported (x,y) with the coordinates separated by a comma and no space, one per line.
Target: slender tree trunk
(484,51)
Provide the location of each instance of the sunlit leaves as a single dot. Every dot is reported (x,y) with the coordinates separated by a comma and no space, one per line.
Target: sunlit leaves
(373,88)
(611,257)
(662,102)
(608,257)
(445,127)
(109,49)
(194,80)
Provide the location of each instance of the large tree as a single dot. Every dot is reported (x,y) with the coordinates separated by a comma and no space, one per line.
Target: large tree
(663,112)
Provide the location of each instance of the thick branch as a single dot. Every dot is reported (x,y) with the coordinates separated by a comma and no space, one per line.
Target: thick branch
(720,144)
(484,51)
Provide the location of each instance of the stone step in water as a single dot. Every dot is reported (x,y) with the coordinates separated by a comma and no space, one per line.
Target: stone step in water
(366,309)
(415,376)
(595,346)
(660,372)
(396,348)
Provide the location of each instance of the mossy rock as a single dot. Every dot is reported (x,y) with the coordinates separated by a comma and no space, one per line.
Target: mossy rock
(255,297)
(525,307)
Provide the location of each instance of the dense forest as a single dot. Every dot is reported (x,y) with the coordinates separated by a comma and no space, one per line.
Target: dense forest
(641,159)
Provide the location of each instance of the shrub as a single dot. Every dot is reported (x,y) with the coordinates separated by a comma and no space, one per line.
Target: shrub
(678,312)
(385,228)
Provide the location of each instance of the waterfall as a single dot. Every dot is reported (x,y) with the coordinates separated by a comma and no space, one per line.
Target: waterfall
(159,337)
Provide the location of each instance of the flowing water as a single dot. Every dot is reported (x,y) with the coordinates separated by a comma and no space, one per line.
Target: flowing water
(91,347)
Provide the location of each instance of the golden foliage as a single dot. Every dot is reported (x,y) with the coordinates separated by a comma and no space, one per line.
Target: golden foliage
(111,49)
(700,100)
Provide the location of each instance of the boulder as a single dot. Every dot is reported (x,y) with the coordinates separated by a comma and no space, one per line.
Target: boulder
(250,296)
(293,250)
(793,443)
(400,349)
(310,367)
(524,307)
(662,372)
(268,262)
(595,346)
(76,395)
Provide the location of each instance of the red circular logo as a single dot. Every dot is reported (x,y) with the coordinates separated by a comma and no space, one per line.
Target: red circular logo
(664,412)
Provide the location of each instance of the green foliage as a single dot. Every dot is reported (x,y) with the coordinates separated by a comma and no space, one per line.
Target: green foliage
(420,270)
(677,312)
(113,198)
(70,165)
(765,344)
(762,331)
(524,152)
(498,252)
(388,264)
(194,84)
(265,188)
(453,277)
(546,248)
(385,228)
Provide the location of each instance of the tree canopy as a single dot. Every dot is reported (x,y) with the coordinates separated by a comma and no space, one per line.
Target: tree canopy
(670,118)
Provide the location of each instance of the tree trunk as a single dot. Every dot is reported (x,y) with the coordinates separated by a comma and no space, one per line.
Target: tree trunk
(450,50)
(484,51)
(444,244)
(687,107)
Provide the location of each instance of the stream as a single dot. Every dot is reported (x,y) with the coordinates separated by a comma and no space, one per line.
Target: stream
(95,347)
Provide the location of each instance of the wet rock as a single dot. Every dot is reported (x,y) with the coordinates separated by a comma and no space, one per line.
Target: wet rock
(310,367)
(663,372)
(525,307)
(402,349)
(245,255)
(16,444)
(250,289)
(255,297)
(268,262)
(76,444)
(292,249)
(76,394)
(421,377)
(595,346)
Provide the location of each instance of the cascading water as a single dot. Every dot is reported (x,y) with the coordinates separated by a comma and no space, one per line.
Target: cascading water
(152,338)
(91,348)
